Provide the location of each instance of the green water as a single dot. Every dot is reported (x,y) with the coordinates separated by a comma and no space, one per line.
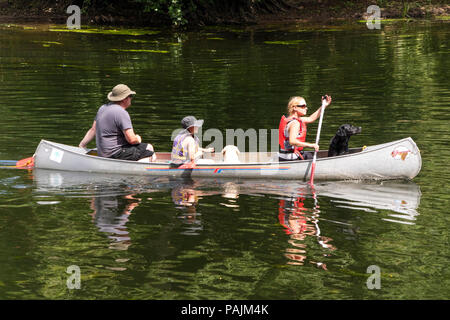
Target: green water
(142,238)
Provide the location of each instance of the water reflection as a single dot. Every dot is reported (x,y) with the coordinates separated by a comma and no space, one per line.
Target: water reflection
(113,198)
(231,194)
(185,198)
(301,211)
(110,215)
(399,198)
(187,193)
(300,222)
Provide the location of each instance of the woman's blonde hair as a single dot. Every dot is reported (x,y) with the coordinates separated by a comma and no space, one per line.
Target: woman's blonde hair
(293,101)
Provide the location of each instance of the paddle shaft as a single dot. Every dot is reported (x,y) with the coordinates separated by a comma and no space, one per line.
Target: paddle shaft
(313,164)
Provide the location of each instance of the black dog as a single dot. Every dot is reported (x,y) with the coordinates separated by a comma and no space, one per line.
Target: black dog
(339,143)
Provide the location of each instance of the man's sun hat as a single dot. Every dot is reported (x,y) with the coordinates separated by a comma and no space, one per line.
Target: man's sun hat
(120,92)
(190,121)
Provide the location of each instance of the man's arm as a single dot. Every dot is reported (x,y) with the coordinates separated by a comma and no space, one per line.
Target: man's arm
(90,134)
(131,137)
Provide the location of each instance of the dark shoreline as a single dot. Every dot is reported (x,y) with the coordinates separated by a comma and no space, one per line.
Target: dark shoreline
(316,12)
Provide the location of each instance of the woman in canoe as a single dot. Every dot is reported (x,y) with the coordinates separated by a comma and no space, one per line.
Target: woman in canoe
(292,130)
(186,146)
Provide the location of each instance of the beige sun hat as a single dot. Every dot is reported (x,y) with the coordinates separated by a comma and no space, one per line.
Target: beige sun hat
(120,92)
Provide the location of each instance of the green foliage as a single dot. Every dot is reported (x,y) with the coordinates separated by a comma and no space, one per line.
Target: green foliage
(203,12)
(405,9)
(181,12)
(173,8)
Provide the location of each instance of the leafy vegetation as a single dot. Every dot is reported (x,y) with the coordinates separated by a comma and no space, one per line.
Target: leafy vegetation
(175,12)
(180,13)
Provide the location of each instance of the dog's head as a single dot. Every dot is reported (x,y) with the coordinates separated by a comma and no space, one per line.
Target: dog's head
(230,149)
(347,130)
(230,154)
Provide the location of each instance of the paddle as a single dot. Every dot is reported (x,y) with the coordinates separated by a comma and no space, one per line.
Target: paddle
(313,165)
(26,163)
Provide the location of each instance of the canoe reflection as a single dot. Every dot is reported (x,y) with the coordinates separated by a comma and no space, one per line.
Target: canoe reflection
(300,210)
(399,198)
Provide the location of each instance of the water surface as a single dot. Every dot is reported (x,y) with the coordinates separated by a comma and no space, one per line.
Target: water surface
(147,238)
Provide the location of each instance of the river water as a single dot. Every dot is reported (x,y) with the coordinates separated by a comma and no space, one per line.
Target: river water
(157,238)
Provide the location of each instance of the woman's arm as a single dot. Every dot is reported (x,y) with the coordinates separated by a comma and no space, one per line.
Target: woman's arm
(316,115)
(294,130)
(312,117)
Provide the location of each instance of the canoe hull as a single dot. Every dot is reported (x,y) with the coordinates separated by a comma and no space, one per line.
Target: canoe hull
(395,160)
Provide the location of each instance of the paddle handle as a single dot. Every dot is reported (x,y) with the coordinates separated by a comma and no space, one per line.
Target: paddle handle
(313,164)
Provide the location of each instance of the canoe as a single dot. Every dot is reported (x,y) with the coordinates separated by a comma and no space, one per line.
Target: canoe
(393,160)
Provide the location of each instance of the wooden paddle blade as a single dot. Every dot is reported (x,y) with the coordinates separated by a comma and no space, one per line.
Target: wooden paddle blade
(26,163)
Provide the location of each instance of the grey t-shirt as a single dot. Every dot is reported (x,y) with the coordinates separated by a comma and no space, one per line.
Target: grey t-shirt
(111,120)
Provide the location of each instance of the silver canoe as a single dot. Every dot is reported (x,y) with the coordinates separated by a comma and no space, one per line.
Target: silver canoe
(394,160)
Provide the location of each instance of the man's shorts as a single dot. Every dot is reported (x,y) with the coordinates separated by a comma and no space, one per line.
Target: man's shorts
(133,152)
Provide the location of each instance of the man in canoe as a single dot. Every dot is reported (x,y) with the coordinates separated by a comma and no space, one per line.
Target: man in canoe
(292,130)
(113,130)
(186,146)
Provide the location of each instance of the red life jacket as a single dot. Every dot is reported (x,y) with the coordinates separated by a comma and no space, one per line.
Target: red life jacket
(283,136)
